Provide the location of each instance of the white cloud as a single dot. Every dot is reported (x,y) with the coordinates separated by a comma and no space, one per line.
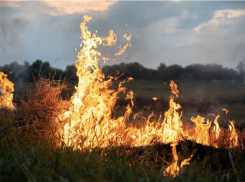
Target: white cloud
(229,13)
(221,18)
(164,41)
(72,7)
(10,3)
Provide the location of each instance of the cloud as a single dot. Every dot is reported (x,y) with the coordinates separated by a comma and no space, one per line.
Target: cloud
(221,39)
(165,41)
(229,13)
(73,7)
(221,18)
(10,3)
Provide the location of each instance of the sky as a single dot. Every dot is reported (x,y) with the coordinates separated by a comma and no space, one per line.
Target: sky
(170,32)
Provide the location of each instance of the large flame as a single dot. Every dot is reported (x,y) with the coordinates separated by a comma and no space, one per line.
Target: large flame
(6,91)
(89,118)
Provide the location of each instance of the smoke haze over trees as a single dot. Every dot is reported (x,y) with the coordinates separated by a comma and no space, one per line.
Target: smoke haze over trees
(194,72)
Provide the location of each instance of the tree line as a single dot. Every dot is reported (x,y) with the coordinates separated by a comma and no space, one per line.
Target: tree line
(194,72)
(27,72)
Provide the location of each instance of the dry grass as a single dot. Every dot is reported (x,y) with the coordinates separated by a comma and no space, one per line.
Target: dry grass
(40,103)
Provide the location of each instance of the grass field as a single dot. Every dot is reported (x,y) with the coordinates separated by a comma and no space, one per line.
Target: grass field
(34,155)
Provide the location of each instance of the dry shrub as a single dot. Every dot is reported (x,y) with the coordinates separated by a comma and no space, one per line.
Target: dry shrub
(40,104)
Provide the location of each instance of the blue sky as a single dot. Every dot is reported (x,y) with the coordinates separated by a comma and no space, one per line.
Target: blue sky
(172,32)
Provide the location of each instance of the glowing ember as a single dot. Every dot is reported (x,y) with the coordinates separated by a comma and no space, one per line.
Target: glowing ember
(129,78)
(154,98)
(6,91)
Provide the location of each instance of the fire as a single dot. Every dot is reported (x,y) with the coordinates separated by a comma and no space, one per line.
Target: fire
(226,111)
(154,98)
(6,91)
(111,40)
(201,130)
(174,169)
(234,136)
(90,121)
(129,78)
(127,45)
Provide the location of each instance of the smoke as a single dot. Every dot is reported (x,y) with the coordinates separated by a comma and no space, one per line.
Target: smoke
(11,29)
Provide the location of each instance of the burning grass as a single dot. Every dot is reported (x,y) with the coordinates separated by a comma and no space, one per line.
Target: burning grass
(30,155)
(47,138)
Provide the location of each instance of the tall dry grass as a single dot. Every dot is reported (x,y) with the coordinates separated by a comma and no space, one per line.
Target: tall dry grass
(38,106)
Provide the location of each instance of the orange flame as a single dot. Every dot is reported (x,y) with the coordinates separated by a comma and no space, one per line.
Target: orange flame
(125,47)
(174,88)
(174,169)
(226,111)
(234,136)
(6,91)
(90,114)
(201,130)
(129,79)
(111,40)
(154,98)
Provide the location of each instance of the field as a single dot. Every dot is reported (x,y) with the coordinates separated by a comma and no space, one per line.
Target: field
(37,155)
